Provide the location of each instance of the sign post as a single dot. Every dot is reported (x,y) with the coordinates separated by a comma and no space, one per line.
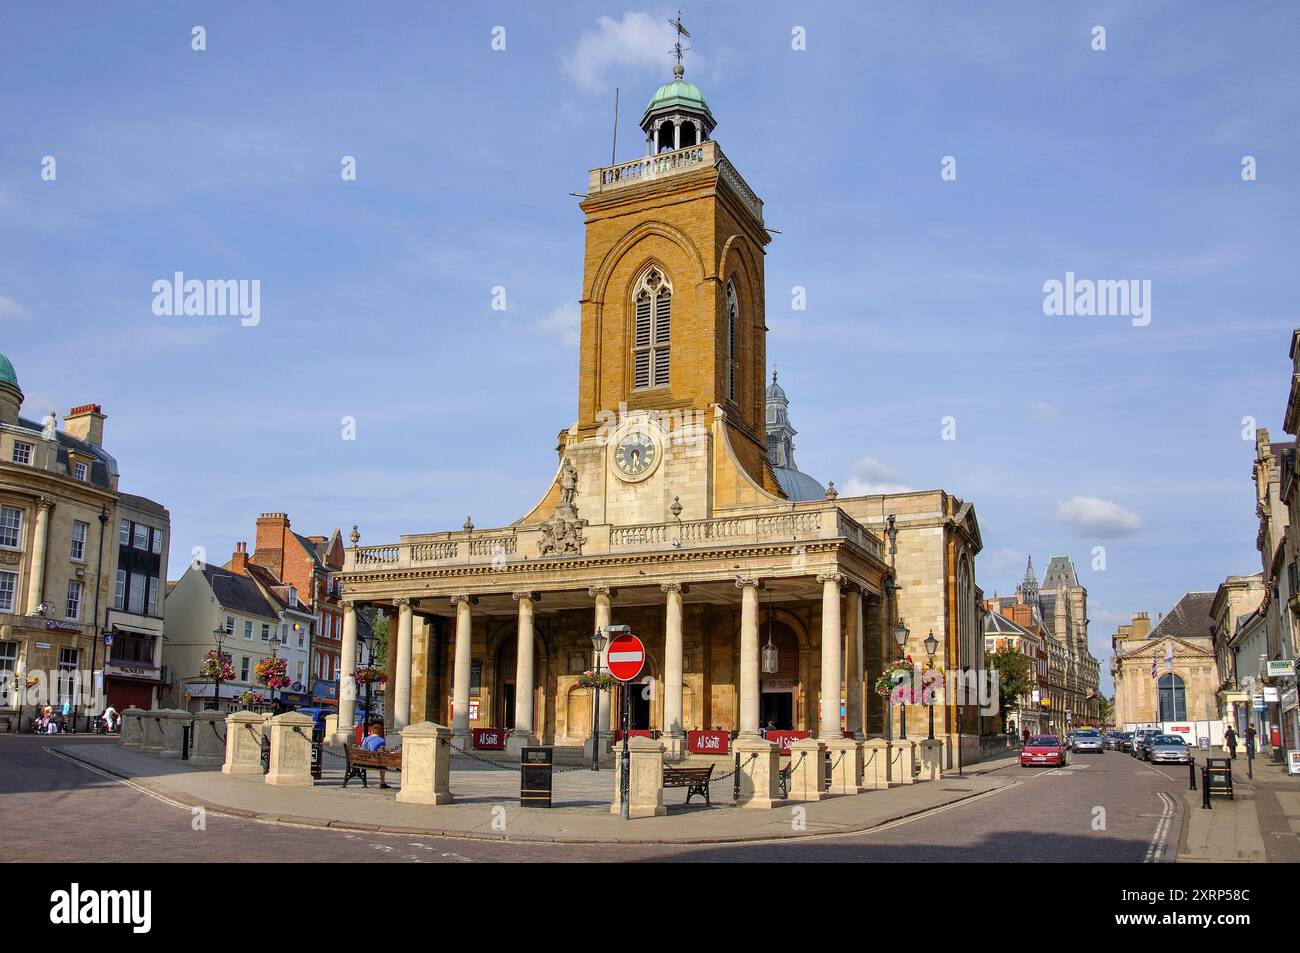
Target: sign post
(626,657)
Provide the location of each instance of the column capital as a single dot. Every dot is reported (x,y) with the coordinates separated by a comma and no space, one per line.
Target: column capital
(402,602)
(596,591)
(347,605)
(678,587)
(749,582)
(836,577)
(463,598)
(530,596)
(44,503)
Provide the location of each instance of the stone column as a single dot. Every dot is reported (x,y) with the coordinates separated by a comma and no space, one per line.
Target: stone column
(674,732)
(748,656)
(853,662)
(290,750)
(807,769)
(645,789)
(347,675)
(604,597)
(828,727)
(402,681)
(243,743)
(525,703)
(209,740)
(460,674)
(677,134)
(36,580)
(426,765)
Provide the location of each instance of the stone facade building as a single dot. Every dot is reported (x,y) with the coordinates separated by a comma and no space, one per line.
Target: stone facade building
(761,597)
(1168,673)
(1018,628)
(1237,599)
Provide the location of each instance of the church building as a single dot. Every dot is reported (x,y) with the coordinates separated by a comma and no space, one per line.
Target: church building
(764,598)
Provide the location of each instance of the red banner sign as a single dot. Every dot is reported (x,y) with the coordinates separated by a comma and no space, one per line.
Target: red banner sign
(634,733)
(488,739)
(782,739)
(708,742)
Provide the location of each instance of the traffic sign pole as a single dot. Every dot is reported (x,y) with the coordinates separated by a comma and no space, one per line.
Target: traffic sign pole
(626,659)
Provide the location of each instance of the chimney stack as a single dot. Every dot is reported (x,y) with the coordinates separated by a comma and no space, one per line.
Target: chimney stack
(239,560)
(85,423)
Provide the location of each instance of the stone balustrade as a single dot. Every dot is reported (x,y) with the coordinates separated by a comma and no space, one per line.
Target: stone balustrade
(705,155)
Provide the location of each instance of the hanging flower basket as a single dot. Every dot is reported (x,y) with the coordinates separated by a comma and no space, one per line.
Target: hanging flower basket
(370,675)
(217,665)
(603,681)
(251,698)
(896,680)
(271,672)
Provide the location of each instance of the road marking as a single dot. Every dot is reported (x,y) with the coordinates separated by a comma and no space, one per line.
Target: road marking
(113,777)
(1156,849)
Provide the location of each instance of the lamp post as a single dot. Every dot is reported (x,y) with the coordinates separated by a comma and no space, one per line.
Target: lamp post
(219,633)
(276,642)
(598,645)
(931,646)
(900,636)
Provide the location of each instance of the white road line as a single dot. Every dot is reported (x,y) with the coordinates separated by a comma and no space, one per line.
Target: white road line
(113,777)
(1156,849)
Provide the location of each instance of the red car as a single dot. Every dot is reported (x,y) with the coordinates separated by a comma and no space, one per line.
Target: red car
(1047,750)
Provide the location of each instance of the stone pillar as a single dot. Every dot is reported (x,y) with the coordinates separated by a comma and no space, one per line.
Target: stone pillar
(460,674)
(153,739)
(173,726)
(347,675)
(244,743)
(290,750)
(748,656)
(426,764)
(604,597)
(674,731)
(931,760)
(645,779)
(402,681)
(209,749)
(40,538)
(876,755)
(132,735)
(760,763)
(677,134)
(828,727)
(525,701)
(853,662)
(846,766)
(902,769)
(807,769)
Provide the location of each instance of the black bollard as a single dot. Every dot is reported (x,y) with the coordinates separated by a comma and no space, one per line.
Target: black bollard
(1191,774)
(735,787)
(1205,790)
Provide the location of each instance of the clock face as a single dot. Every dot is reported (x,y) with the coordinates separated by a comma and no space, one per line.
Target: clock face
(635,455)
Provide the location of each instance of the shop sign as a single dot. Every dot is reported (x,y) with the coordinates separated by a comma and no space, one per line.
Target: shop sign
(1280,668)
(54,625)
(1270,695)
(43,645)
(1293,762)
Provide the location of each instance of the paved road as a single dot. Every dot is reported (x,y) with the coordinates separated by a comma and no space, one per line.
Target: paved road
(1101,808)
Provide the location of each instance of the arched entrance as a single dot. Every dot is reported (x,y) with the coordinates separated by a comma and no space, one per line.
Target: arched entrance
(505,688)
(779,689)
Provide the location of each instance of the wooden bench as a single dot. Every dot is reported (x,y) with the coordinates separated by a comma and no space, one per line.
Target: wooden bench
(695,780)
(783,781)
(359,760)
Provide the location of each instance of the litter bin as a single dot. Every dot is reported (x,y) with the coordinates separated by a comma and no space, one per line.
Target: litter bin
(535,772)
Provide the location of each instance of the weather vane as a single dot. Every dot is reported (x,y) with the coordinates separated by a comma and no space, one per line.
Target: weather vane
(678,49)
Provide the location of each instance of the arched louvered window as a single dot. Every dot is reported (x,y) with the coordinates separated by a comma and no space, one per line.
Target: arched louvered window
(654,313)
(1173,698)
(733,316)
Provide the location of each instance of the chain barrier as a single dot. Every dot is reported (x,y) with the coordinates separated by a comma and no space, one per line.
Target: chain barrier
(734,771)
(469,754)
(898,757)
(220,736)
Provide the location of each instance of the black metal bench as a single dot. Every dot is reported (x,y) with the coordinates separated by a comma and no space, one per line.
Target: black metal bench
(359,760)
(695,780)
(783,781)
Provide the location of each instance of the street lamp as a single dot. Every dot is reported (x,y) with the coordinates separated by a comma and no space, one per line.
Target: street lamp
(276,642)
(900,636)
(598,646)
(219,633)
(931,646)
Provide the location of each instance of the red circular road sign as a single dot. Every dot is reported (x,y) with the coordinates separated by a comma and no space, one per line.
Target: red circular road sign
(625,656)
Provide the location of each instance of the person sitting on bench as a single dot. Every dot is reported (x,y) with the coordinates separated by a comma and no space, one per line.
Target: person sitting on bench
(375,742)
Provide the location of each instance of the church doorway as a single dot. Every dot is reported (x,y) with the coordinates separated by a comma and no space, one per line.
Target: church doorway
(505,687)
(776,710)
(776,705)
(638,695)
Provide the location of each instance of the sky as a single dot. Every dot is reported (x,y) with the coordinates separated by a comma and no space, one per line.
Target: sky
(469,127)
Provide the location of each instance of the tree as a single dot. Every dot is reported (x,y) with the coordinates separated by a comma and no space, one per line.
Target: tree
(1015,678)
(378,626)
(1107,709)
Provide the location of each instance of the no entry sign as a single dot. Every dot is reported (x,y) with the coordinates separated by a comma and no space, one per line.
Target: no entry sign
(626,657)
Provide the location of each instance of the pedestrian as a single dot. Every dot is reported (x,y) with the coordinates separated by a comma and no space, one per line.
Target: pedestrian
(110,719)
(1250,742)
(1024,737)
(1230,741)
(375,742)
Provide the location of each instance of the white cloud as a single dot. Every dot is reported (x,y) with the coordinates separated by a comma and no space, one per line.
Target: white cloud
(1091,516)
(563,324)
(1007,558)
(871,478)
(1042,412)
(637,43)
(9,308)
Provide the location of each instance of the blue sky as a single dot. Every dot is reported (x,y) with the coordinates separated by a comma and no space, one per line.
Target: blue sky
(924,296)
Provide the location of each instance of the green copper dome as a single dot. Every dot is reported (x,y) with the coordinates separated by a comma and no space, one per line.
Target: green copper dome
(678,93)
(7,375)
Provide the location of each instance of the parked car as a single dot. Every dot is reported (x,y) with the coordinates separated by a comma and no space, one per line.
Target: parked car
(1139,738)
(1166,749)
(1087,739)
(1044,750)
(1124,741)
(1110,740)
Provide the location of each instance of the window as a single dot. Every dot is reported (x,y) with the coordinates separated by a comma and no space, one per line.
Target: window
(141,537)
(301,632)
(129,647)
(74,601)
(119,598)
(124,533)
(68,680)
(157,541)
(300,672)
(8,665)
(733,314)
(230,625)
(243,668)
(1173,698)
(79,471)
(153,596)
(8,584)
(22,452)
(79,530)
(11,526)
(136,603)
(266,632)
(248,630)
(654,302)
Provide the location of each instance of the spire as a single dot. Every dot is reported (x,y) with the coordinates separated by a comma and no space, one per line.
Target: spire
(1029,586)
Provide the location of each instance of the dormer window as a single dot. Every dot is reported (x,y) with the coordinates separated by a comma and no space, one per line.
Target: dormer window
(653,296)
(22,453)
(79,471)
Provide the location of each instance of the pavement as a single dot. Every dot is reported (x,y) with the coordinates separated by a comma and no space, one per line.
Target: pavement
(487,804)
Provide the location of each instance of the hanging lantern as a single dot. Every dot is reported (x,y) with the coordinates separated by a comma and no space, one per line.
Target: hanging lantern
(770,657)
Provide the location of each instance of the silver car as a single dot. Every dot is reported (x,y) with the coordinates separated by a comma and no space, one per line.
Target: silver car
(1087,741)
(1168,749)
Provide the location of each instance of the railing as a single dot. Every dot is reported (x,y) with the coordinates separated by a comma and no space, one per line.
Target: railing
(705,155)
(372,555)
